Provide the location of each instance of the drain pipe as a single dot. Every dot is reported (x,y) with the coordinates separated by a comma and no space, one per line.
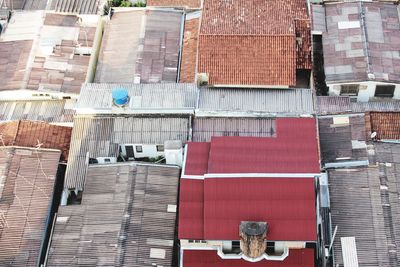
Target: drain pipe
(98,37)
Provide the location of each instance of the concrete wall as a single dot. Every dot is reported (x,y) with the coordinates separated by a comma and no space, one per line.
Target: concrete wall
(366,90)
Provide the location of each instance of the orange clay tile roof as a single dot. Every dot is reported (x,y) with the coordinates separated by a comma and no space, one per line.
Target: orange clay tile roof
(385,124)
(27,133)
(254,42)
(189,51)
(175,3)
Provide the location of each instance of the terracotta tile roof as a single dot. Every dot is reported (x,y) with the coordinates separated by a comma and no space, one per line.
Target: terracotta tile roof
(189,51)
(13,59)
(254,42)
(28,177)
(385,124)
(243,60)
(27,134)
(175,3)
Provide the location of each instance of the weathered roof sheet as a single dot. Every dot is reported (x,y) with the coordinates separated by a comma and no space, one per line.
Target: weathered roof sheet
(385,124)
(175,3)
(318,18)
(361,48)
(342,104)
(62,59)
(37,110)
(127,213)
(204,127)
(189,47)
(77,6)
(292,102)
(140,46)
(144,98)
(27,179)
(365,205)
(207,258)
(25,26)
(24,4)
(342,138)
(254,43)
(34,133)
(100,137)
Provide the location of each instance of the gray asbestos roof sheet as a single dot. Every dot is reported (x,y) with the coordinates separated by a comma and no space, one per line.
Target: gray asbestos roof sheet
(355,45)
(144,98)
(125,219)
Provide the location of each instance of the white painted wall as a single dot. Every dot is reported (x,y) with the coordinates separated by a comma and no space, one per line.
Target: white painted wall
(366,92)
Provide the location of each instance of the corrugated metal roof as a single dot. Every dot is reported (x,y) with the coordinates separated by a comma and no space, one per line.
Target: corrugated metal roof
(28,177)
(77,6)
(125,218)
(209,258)
(294,150)
(357,209)
(41,110)
(197,154)
(342,104)
(286,204)
(100,137)
(356,47)
(318,18)
(34,133)
(140,45)
(144,98)
(336,140)
(205,128)
(293,102)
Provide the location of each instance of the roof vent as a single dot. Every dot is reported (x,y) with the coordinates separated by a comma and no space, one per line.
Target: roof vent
(120,97)
(252,238)
(202,79)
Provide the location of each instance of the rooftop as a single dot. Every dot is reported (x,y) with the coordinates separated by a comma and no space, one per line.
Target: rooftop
(139,229)
(175,3)
(209,258)
(27,179)
(144,98)
(35,133)
(79,6)
(361,48)
(385,124)
(54,111)
(101,136)
(257,47)
(141,46)
(217,171)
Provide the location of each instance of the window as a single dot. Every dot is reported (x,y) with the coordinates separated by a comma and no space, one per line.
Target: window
(107,160)
(129,152)
(139,149)
(349,90)
(160,148)
(384,91)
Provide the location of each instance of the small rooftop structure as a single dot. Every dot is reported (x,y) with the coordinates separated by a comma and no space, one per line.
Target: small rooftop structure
(256,43)
(27,182)
(36,134)
(140,46)
(136,225)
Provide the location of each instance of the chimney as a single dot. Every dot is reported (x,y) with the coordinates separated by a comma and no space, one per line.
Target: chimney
(252,238)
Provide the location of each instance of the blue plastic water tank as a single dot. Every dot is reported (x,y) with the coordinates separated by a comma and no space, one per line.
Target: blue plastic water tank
(120,96)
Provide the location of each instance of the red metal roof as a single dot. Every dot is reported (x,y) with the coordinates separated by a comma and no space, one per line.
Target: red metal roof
(294,150)
(209,258)
(197,158)
(287,204)
(191,207)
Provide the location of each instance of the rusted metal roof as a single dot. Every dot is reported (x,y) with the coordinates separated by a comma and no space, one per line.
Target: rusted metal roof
(127,218)
(27,179)
(36,134)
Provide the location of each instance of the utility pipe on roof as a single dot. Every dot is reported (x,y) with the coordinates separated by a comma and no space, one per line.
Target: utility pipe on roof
(365,34)
(98,37)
